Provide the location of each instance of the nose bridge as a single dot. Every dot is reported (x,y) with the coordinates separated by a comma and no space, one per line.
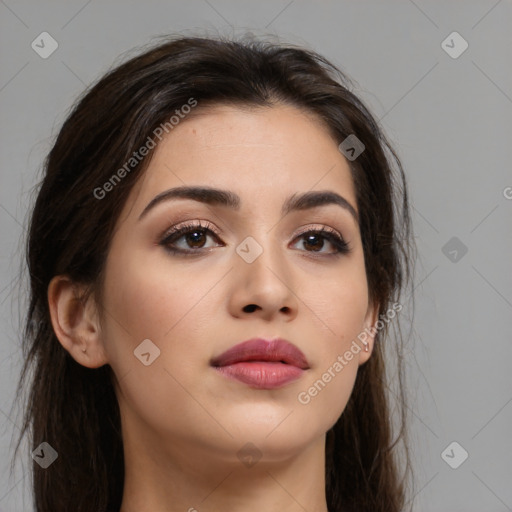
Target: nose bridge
(263,278)
(258,253)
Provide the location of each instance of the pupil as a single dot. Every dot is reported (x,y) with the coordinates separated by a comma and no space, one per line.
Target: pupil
(195,234)
(319,242)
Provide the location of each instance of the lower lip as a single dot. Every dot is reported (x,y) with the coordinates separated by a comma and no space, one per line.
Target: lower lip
(260,374)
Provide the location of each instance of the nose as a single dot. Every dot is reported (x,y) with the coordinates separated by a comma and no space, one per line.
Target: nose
(263,288)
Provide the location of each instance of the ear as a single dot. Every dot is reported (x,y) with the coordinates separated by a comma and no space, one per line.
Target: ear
(75,322)
(368,333)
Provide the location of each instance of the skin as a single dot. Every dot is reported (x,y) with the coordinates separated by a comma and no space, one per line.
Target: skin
(182,422)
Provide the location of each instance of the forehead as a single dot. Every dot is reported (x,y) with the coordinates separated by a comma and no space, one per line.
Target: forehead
(262,154)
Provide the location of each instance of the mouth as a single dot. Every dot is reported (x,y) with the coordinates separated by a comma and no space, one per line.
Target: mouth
(262,364)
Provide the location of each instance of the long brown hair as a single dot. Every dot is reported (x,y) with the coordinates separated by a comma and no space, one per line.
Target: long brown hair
(74,408)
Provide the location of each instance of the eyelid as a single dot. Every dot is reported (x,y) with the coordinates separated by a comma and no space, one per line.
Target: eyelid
(198,224)
(322,228)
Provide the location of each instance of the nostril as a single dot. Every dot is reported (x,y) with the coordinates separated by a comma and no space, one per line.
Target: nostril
(250,308)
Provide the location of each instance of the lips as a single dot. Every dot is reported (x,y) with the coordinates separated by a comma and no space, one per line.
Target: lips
(258,349)
(262,364)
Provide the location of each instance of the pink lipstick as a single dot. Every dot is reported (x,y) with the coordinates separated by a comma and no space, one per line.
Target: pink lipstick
(262,364)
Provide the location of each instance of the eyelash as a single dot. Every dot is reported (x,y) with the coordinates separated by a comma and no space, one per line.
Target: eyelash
(174,234)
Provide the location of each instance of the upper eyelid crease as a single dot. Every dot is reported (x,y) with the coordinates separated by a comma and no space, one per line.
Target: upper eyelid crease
(213,196)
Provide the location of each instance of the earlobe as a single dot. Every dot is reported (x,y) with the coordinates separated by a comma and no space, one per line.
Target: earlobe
(75,322)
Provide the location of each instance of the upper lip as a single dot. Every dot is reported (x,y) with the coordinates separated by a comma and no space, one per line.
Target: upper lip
(259,349)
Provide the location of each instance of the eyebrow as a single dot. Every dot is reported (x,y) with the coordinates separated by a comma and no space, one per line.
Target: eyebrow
(218,197)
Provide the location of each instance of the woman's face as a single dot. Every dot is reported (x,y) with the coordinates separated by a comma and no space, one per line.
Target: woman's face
(259,273)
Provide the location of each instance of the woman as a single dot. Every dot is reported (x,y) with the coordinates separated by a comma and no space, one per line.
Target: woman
(216,255)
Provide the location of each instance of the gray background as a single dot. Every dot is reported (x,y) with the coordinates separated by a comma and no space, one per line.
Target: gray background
(450,120)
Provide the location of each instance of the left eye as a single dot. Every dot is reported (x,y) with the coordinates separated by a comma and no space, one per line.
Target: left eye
(315,240)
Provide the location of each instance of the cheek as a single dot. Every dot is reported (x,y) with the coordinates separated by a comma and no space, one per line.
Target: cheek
(339,310)
(151,301)
(326,393)
(168,309)
(174,309)
(340,304)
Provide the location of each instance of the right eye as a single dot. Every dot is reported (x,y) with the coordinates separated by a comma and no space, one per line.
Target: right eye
(193,234)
